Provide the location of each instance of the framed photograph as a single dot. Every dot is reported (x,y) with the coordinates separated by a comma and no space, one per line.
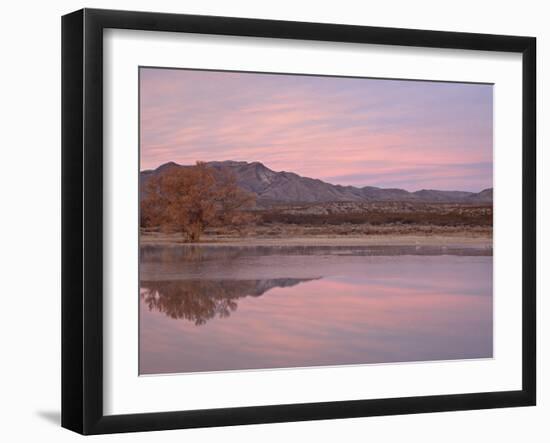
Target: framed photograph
(268,221)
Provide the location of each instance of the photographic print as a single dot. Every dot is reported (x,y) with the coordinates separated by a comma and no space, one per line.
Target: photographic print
(293,221)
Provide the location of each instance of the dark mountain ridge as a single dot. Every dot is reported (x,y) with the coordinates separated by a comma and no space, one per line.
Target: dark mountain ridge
(271,187)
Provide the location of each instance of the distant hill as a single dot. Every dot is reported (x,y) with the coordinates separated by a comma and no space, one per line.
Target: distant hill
(273,187)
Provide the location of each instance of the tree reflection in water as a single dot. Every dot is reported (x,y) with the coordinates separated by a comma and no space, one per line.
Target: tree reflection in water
(199,301)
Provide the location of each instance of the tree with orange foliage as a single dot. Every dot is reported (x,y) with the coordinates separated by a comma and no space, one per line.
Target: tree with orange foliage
(190,199)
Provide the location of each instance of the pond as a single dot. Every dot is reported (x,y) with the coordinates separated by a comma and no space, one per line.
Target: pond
(217,308)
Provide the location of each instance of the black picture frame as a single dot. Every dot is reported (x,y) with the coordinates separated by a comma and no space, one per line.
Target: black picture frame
(82,219)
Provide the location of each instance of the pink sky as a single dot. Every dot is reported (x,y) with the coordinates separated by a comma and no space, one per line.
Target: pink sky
(362,132)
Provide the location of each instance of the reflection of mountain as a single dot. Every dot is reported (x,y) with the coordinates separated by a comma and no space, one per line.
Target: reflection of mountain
(201,300)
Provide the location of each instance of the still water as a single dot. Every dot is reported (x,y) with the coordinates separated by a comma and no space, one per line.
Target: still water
(214,308)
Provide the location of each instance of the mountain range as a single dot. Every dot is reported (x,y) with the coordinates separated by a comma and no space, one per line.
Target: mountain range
(271,187)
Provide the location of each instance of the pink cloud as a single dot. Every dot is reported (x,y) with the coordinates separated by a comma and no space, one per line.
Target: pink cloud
(317,126)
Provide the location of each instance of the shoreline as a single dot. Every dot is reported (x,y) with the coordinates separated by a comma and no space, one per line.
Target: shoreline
(458,240)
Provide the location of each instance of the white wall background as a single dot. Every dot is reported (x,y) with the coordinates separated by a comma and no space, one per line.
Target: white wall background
(30,219)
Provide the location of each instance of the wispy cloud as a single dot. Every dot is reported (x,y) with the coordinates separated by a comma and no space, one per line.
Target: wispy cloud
(350,131)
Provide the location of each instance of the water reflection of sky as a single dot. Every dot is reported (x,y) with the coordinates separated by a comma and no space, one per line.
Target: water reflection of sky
(364,309)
